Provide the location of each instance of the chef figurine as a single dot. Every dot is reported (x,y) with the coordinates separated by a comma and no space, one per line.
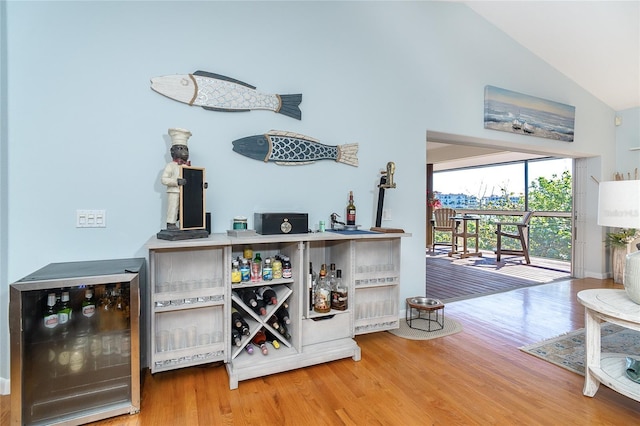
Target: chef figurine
(171,175)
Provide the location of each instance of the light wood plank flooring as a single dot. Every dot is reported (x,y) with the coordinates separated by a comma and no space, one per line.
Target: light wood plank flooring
(476,377)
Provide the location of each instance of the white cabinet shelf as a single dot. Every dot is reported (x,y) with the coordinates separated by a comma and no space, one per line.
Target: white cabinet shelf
(191,286)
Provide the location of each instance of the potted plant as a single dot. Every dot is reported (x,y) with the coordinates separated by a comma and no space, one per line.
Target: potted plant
(619,243)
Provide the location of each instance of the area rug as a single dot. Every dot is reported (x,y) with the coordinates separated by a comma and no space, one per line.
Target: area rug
(568,350)
(451,326)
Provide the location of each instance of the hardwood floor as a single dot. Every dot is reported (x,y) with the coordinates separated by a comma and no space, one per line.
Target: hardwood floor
(476,377)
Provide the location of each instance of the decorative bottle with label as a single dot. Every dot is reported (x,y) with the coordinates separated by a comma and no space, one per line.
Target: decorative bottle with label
(351,210)
(322,293)
(339,293)
(256,268)
(64,313)
(50,317)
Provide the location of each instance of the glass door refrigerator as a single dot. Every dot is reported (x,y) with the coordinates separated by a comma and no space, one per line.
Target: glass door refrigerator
(75,346)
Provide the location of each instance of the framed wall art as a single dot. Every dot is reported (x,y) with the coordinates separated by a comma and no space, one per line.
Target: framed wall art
(515,112)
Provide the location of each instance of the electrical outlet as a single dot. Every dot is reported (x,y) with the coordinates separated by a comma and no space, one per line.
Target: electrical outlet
(91,218)
(386,214)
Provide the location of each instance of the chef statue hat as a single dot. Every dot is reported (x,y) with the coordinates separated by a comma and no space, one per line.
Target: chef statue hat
(179,136)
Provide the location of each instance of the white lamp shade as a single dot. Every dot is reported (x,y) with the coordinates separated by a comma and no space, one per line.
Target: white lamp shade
(619,204)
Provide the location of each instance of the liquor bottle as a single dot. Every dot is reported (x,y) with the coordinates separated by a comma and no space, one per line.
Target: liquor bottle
(339,293)
(236,276)
(249,297)
(236,339)
(351,210)
(267,270)
(332,275)
(260,340)
(273,322)
(64,313)
(286,268)
(311,283)
(283,315)
(50,317)
(267,294)
(88,311)
(256,268)
(322,293)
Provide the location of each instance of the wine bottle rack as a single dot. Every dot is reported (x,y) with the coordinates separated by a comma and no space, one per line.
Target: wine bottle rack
(370,265)
(257,321)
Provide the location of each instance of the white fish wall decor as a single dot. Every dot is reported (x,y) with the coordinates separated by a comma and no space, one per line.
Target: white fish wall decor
(293,149)
(217,92)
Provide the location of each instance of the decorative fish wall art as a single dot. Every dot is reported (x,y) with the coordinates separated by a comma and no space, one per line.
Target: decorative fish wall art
(219,93)
(293,149)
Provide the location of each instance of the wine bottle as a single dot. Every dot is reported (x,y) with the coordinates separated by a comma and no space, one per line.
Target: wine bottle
(236,339)
(249,297)
(351,210)
(249,348)
(260,340)
(267,294)
(271,338)
(284,330)
(239,323)
(283,315)
(260,308)
(273,322)
(322,293)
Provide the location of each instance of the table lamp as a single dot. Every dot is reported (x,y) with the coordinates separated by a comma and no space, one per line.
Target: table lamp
(619,207)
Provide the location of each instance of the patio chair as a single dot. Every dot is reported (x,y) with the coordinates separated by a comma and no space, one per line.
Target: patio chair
(443,223)
(518,232)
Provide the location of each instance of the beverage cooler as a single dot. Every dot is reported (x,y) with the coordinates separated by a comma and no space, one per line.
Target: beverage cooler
(75,346)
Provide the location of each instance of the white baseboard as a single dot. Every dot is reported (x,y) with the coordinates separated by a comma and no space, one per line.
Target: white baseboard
(5,389)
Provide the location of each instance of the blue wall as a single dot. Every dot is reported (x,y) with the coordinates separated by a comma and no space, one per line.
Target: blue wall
(85,131)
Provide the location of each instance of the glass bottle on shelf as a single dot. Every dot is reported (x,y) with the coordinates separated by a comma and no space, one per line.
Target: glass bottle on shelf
(277,268)
(256,268)
(50,317)
(64,313)
(236,277)
(286,268)
(245,270)
(88,311)
(322,293)
(339,293)
(311,283)
(267,270)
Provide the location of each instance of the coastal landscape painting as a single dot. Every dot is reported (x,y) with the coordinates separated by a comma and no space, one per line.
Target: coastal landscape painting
(514,112)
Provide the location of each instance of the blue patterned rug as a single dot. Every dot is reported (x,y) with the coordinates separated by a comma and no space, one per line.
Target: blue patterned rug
(568,351)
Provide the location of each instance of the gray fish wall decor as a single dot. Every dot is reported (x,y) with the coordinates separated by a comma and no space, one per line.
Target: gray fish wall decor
(293,149)
(216,92)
